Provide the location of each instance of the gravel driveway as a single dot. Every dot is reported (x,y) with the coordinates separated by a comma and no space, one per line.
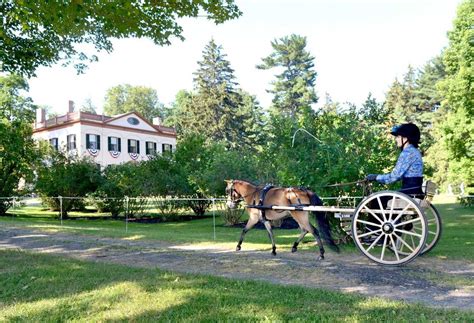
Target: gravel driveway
(433,282)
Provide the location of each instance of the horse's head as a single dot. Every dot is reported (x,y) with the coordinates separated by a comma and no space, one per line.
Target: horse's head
(233,196)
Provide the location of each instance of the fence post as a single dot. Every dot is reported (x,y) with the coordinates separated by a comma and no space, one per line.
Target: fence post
(14,206)
(214,216)
(126,213)
(61,209)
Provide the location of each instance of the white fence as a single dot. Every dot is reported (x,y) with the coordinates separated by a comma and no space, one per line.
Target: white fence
(138,206)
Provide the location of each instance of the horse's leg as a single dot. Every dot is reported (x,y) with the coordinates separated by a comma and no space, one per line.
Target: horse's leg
(297,242)
(250,223)
(268,226)
(303,221)
(316,235)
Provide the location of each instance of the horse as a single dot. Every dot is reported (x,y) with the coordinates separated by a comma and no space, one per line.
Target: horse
(239,190)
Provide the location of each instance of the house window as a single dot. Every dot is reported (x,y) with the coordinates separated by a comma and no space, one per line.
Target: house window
(133,146)
(150,148)
(115,144)
(166,147)
(71,142)
(92,141)
(54,143)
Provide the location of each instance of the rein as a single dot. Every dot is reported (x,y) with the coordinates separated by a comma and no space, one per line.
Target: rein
(363,181)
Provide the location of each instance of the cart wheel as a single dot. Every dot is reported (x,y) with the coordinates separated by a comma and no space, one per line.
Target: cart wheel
(434,231)
(386,219)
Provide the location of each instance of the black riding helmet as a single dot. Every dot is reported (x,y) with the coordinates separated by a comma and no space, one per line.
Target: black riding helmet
(409,131)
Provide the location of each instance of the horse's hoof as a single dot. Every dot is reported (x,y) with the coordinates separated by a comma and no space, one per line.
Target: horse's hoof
(294,249)
(320,258)
(237,248)
(274,253)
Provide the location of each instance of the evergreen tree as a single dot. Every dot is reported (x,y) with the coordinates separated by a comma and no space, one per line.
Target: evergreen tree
(253,121)
(399,101)
(217,108)
(293,89)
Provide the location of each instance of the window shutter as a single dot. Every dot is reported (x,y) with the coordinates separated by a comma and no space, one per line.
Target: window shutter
(109,143)
(154,147)
(129,145)
(162,148)
(88,142)
(138,147)
(98,142)
(119,144)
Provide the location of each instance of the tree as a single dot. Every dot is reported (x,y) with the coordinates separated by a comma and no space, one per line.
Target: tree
(88,107)
(126,98)
(18,153)
(294,88)
(41,33)
(217,108)
(67,176)
(454,128)
(399,100)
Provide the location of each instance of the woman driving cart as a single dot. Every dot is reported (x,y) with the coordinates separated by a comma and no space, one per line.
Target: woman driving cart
(409,167)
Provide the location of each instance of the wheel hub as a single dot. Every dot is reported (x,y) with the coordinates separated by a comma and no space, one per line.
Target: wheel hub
(387,228)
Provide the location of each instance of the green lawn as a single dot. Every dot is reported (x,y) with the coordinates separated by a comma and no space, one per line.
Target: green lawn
(456,243)
(50,288)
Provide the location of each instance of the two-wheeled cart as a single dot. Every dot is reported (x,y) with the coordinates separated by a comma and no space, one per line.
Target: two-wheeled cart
(388,227)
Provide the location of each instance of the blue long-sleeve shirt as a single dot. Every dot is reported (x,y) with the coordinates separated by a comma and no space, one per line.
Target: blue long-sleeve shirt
(409,164)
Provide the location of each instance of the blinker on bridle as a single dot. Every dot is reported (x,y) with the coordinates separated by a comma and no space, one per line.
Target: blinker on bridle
(231,192)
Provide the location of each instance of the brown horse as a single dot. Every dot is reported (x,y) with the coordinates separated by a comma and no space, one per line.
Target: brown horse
(238,190)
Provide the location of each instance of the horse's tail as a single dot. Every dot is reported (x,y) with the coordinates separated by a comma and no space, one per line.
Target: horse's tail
(323,222)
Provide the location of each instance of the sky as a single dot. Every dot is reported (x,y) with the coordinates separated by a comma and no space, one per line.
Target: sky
(360,46)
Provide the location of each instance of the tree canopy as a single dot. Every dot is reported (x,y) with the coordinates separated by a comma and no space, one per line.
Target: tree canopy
(42,33)
(454,129)
(18,153)
(127,98)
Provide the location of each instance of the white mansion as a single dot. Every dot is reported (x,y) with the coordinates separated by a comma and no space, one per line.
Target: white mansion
(107,140)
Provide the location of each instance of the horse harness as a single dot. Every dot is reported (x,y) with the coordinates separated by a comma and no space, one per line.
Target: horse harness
(261,199)
(261,207)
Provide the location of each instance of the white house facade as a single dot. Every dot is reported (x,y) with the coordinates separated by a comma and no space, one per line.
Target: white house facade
(107,140)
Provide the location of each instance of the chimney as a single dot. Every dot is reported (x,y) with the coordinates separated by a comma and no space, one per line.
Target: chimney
(157,121)
(71,106)
(40,115)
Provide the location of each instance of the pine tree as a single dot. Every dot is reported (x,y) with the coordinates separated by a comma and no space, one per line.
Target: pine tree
(217,108)
(293,89)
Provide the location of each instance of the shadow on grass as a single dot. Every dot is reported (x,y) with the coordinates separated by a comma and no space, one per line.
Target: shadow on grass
(50,288)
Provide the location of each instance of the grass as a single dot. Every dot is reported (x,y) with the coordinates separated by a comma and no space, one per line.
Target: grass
(50,288)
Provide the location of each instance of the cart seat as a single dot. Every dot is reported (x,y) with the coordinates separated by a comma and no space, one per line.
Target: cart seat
(429,190)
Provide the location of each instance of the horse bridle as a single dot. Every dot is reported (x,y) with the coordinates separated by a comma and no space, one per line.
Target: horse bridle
(231,192)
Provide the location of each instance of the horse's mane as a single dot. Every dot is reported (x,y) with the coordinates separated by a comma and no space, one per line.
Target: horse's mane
(249,182)
(261,186)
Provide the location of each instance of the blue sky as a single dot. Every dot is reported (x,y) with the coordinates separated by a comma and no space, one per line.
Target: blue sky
(360,46)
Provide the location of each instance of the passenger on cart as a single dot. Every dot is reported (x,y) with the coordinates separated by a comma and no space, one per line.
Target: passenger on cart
(409,167)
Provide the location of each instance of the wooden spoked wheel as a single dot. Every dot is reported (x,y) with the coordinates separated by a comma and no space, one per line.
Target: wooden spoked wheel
(385,220)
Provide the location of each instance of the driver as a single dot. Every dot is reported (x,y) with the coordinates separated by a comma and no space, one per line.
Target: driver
(409,167)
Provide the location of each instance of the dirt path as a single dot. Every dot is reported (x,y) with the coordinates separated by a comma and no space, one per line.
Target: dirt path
(433,282)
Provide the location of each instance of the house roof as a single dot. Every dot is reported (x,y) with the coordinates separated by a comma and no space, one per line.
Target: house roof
(99,120)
